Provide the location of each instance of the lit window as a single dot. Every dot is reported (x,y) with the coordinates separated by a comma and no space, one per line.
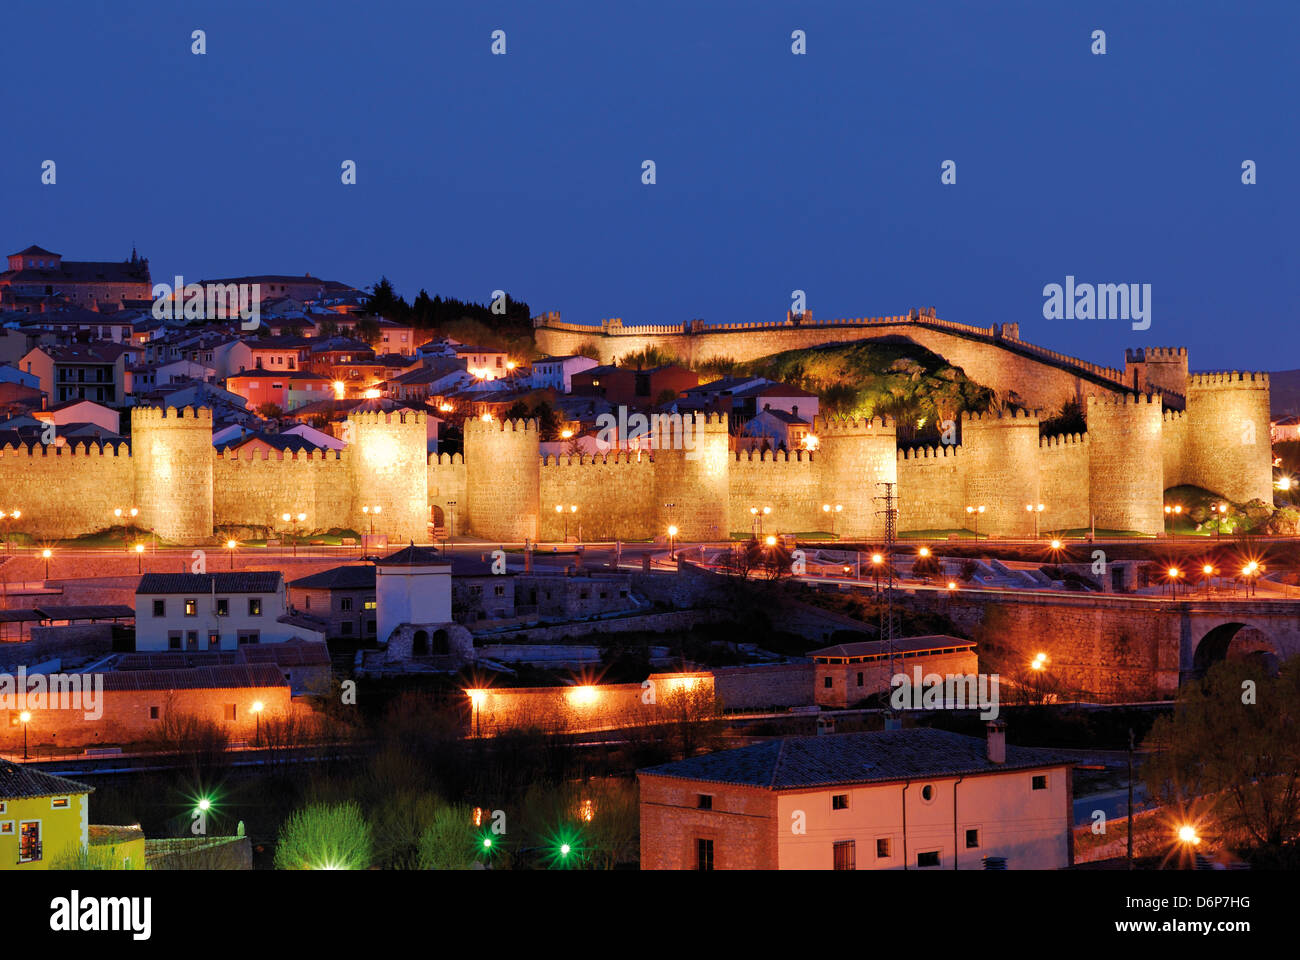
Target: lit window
(59,803)
(191,608)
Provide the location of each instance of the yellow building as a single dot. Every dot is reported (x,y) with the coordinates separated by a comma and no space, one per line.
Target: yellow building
(41,817)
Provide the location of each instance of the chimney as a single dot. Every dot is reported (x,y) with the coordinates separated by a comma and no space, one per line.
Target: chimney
(997,741)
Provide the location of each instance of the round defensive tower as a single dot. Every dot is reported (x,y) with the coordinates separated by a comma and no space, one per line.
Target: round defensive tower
(1125,463)
(1001,456)
(388,468)
(502,479)
(172,457)
(854,457)
(1228,446)
(692,460)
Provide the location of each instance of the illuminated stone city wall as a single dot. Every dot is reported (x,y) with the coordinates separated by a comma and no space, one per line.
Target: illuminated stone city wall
(502,489)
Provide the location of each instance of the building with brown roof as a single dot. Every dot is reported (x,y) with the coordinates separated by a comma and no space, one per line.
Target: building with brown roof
(39,279)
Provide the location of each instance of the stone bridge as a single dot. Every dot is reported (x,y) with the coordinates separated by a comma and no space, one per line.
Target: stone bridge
(1113,647)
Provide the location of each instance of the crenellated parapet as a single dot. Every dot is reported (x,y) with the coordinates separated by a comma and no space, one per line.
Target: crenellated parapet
(1228,449)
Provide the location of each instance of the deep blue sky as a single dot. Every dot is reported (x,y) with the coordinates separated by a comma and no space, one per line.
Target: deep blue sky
(775,171)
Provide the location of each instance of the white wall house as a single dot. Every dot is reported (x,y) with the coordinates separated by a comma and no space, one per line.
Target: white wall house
(210,611)
(556,373)
(413,586)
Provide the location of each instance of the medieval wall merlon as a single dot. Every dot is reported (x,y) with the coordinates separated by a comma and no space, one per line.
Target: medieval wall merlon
(445,459)
(1062,440)
(851,426)
(774,456)
(943,451)
(1232,380)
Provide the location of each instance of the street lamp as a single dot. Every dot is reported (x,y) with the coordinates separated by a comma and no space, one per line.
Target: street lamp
(257,708)
(1208,571)
(672,538)
(559,508)
(1174,573)
(876,560)
(1172,513)
(974,513)
(1249,571)
(46,554)
(230,545)
(26,718)
(372,511)
(1037,512)
(121,513)
(1222,510)
(758,513)
(831,511)
(295,519)
(13,515)
(139,555)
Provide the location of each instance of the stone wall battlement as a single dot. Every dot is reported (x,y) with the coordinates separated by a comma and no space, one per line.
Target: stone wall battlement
(392,418)
(445,459)
(612,458)
(1062,440)
(1155,354)
(990,418)
(944,451)
(1173,417)
(480,426)
(1229,380)
(157,414)
(80,449)
(774,456)
(1126,400)
(850,426)
(227,455)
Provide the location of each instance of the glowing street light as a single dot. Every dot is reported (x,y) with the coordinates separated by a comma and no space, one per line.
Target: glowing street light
(1055,544)
(1036,511)
(974,513)
(770,540)
(1187,834)
(139,555)
(831,510)
(295,519)
(1250,571)
(25,718)
(45,555)
(12,515)
(672,538)
(230,546)
(1039,662)
(758,513)
(257,708)
(122,513)
(372,511)
(1173,573)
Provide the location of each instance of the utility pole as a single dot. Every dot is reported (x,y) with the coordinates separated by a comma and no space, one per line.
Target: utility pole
(887,611)
(1130,798)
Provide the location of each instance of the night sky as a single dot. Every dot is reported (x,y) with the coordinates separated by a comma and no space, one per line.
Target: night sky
(775,172)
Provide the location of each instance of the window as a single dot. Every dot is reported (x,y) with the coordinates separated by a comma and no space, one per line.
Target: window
(254,606)
(306,602)
(160,608)
(223,606)
(191,608)
(972,839)
(827,683)
(929,858)
(214,640)
(4,806)
(704,801)
(173,640)
(927,793)
(840,801)
(29,841)
(6,828)
(499,591)
(884,848)
(369,604)
(345,603)
(846,857)
(248,636)
(153,713)
(703,854)
(345,628)
(60,803)
(1040,782)
(230,711)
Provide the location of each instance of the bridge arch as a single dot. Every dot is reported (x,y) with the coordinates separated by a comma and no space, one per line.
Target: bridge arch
(1235,641)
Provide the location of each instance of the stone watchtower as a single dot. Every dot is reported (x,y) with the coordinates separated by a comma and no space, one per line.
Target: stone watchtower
(1157,370)
(1001,453)
(1125,463)
(1228,450)
(387,457)
(692,461)
(503,479)
(853,458)
(172,457)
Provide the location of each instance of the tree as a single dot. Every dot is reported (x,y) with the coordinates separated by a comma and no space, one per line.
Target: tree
(325,837)
(368,330)
(327,328)
(269,411)
(383,301)
(1231,752)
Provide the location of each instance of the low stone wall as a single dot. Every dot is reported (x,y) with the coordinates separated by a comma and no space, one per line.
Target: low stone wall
(765,686)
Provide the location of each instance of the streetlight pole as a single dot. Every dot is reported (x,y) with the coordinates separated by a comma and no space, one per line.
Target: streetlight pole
(45,555)
(1037,512)
(230,546)
(26,718)
(830,512)
(974,513)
